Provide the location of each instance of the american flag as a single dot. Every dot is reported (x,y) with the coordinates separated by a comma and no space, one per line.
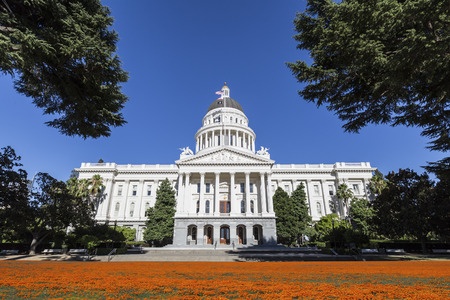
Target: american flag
(219,93)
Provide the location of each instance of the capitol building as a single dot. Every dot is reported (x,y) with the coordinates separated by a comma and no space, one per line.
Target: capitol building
(224,186)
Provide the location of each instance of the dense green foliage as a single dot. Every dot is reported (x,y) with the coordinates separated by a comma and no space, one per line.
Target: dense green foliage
(361,215)
(411,205)
(379,62)
(45,207)
(292,214)
(13,193)
(61,54)
(160,222)
(103,235)
(54,206)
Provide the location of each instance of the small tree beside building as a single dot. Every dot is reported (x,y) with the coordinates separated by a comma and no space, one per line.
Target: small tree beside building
(160,222)
(292,215)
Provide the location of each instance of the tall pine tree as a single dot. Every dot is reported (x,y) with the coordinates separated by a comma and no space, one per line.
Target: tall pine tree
(300,210)
(292,214)
(160,217)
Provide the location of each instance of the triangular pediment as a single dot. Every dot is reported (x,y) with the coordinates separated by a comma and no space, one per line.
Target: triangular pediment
(224,155)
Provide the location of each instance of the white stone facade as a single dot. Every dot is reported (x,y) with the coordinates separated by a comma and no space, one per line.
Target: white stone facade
(225,188)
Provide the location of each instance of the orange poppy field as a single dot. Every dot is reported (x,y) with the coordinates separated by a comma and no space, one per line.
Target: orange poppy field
(226,280)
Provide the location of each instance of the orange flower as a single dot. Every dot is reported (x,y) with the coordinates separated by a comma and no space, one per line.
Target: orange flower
(200,280)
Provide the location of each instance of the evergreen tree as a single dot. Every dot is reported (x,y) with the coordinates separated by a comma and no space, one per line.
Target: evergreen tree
(300,210)
(160,224)
(62,55)
(379,62)
(286,221)
(292,214)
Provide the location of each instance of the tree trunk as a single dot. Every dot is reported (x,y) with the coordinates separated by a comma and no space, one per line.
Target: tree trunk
(34,243)
(37,239)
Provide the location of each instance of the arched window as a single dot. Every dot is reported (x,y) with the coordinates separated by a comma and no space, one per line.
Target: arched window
(131,209)
(242,206)
(207,207)
(197,210)
(252,206)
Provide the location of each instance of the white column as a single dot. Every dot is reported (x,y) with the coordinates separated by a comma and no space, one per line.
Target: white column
(196,145)
(269,193)
(247,192)
(253,144)
(322,183)
(187,192)
(216,195)
(213,139)
(138,204)
(235,207)
(180,193)
(201,193)
(263,193)
(200,234)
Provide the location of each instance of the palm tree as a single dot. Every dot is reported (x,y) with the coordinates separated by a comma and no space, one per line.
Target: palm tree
(344,195)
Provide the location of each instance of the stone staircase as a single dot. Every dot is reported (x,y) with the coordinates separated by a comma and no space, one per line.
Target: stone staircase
(225,253)
(168,254)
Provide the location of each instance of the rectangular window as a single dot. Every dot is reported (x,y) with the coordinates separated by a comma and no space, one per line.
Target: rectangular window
(356,189)
(331,190)
(208,188)
(242,187)
(134,192)
(198,188)
(251,187)
(149,190)
(316,190)
(119,190)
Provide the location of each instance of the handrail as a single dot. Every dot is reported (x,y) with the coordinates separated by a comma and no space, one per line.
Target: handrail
(113,251)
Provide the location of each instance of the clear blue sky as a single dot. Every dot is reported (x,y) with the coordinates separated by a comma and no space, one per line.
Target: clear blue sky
(178,54)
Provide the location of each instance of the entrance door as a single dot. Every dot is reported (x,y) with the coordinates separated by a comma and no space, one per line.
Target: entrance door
(225,235)
(241,235)
(209,235)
